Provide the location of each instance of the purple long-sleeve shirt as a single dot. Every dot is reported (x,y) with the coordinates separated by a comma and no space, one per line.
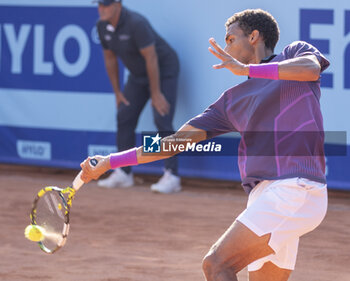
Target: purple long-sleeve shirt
(280,123)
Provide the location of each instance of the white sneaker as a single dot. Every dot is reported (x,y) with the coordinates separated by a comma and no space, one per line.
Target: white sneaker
(118,178)
(168,183)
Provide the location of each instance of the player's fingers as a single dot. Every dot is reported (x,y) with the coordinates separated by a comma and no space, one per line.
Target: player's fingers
(219,56)
(222,65)
(85,178)
(86,166)
(216,46)
(224,58)
(218,66)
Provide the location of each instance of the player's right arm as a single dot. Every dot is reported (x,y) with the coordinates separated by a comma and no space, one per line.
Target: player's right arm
(186,133)
(112,68)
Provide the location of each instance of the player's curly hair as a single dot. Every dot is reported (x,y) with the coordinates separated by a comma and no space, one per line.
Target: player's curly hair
(257,19)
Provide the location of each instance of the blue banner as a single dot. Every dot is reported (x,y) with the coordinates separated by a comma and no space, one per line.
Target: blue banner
(51,48)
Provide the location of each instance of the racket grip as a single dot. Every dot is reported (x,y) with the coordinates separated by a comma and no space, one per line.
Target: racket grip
(78,182)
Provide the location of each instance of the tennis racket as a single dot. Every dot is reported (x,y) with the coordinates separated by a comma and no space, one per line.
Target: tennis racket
(50,211)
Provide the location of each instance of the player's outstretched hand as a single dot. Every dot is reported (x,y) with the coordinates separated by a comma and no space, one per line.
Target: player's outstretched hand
(228,61)
(93,173)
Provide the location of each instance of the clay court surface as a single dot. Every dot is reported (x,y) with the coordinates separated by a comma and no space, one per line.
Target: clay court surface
(133,234)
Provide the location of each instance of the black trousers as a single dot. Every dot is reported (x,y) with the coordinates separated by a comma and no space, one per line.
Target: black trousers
(127,116)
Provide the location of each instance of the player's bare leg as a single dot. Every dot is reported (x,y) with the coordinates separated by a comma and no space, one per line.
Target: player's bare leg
(235,249)
(270,272)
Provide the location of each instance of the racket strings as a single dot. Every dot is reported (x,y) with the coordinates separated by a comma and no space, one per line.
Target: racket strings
(51,213)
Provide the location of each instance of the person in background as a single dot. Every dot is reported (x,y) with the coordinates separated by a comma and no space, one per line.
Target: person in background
(154,68)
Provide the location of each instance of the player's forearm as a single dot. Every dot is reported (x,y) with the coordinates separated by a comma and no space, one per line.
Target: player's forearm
(132,157)
(305,68)
(136,156)
(186,134)
(143,158)
(172,141)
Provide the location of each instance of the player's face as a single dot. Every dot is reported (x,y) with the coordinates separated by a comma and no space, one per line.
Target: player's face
(238,45)
(107,13)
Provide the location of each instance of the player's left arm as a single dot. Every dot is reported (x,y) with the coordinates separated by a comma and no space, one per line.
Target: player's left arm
(305,68)
(302,68)
(158,100)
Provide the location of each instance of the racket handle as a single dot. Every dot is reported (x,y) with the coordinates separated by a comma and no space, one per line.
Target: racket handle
(78,182)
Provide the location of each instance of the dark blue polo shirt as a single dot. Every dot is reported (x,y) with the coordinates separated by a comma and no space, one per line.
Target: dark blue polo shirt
(134,32)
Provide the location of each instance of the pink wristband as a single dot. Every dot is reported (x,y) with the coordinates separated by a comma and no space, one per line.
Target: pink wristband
(123,159)
(264,71)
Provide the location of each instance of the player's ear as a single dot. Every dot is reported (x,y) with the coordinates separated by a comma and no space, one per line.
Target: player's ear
(254,36)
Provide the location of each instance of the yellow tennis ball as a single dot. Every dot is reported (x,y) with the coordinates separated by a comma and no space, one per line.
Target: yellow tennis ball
(34,233)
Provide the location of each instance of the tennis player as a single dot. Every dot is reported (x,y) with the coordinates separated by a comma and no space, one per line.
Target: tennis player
(282,165)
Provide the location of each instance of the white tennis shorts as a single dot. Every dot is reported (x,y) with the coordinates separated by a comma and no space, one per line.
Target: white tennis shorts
(287,209)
